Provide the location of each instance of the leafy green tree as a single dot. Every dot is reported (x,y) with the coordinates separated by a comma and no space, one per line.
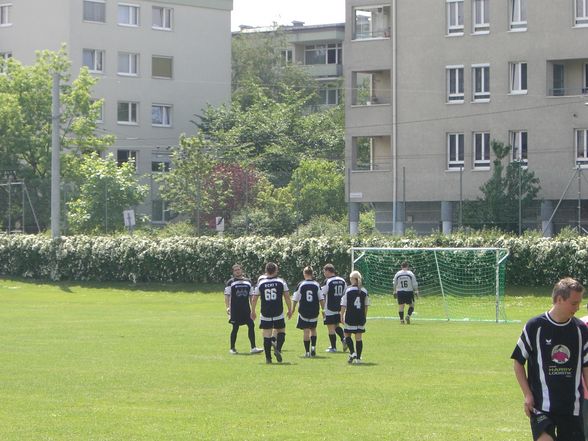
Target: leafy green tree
(105,189)
(499,204)
(25,120)
(318,188)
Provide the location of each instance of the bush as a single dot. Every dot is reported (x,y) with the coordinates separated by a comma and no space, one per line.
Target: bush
(533,260)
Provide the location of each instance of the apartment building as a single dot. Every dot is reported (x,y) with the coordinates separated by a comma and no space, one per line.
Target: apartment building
(158,63)
(432,82)
(318,49)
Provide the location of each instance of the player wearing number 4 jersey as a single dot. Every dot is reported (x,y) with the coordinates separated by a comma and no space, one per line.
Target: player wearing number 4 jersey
(308,294)
(354,306)
(406,289)
(272,290)
(333,290)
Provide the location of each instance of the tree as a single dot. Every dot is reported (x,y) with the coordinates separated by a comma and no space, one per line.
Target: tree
(105,189)
(499,205)
(25,120)
(318,188)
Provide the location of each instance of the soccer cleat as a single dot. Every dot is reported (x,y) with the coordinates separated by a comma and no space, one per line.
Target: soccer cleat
(268,361)
(344,343)
(278,355)
(313,352)
(352,358)
(256,351)
(307,355)
(402,322)
(331,349)
(408,319)
(233,351)
(357,361)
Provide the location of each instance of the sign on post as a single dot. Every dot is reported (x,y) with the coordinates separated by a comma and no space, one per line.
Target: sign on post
(129,217)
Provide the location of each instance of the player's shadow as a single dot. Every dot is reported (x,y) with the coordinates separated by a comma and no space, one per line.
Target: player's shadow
(364,363)
(284,363)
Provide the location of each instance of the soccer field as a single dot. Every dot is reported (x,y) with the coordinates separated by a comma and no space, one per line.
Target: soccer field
(151,362)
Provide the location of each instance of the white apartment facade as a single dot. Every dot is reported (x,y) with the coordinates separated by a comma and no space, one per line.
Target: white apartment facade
(431,82)
(158,64)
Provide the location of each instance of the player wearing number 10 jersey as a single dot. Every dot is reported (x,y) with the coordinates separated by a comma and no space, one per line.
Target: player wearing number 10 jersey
(272,290)
(308,294)
(405,290)
(333,290)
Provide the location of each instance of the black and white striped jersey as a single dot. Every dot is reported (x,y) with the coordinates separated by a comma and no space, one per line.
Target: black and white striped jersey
(308,295)
(271,291)
(333,290)
(556,354)
(405,280)
(239,289)
(355,301)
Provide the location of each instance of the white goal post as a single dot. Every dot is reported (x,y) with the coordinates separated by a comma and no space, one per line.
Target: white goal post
(464,284)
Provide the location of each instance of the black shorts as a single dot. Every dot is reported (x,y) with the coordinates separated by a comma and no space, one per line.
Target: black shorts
(568,428)
(405,297)
(272,324)
(240,320)
(334,319)
(306,324)
(352,329)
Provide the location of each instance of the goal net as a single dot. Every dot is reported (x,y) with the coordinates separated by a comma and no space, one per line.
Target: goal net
(454,283)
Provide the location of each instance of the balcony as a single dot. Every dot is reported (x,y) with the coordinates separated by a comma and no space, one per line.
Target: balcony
(371,88)
(371,22)
(567,77)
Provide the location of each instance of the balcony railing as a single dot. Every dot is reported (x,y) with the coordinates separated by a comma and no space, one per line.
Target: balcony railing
(376,33)
(569,91)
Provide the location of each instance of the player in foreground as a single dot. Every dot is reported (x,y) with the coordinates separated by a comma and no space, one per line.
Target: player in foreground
(333,290)
(308,294)
(354,307)
(555,344)
(238,292)
(405,289)
(273,290)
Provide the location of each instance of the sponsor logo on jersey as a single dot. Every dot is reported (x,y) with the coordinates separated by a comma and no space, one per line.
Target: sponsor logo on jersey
(560,354)
(548,341)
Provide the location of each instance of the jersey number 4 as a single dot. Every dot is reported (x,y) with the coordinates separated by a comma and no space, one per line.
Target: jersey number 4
(357,303)
(270,294)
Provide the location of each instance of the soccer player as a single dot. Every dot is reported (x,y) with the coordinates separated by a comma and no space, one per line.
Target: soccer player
(354,307)
(405,289)
(555,345)
(333,290)
(238,292)
(272,290)
(308,294)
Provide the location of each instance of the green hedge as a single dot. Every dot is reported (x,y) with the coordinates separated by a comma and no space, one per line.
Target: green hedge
(533,261)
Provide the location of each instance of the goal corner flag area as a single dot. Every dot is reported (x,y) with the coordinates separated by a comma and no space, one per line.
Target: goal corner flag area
(461,284)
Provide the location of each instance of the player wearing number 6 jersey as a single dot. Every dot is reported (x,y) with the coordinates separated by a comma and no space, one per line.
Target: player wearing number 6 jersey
(405,289)
(272,290)
(308,294)
(354,306)
(333,290)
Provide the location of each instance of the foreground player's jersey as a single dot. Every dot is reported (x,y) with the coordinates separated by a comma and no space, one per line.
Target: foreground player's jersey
(333,290)
(308,294)
(355,301)
(239,289)
(556,353)
(271,290)
(404,280)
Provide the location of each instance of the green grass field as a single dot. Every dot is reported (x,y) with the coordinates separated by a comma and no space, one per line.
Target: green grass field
(151,362)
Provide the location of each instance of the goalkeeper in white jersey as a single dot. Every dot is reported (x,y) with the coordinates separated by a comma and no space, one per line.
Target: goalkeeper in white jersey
(406,289)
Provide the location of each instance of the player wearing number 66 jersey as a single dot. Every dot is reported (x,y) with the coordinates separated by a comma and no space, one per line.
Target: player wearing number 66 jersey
(354,307)
(308,294)
(405,290)
(272,290)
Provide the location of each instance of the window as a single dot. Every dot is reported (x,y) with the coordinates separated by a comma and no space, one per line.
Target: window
(581,12)
(518,15)
(95,11)
(371,22)
(5,11)
(123,156)
(581,146)
(128,64)
(160,166)
(128,15)
(161,67)
(329,94)
(454,17)
(365,154)
(160,211)
(455,84)
(162,18)
(455,150)
(481,150)
(334,53)
(585,80)
(161,115)
(315,54)
(287,56)
(481,16)
(518,142)
(127,112)
(93,59)
(481,80)
(518,78)
(559,88)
